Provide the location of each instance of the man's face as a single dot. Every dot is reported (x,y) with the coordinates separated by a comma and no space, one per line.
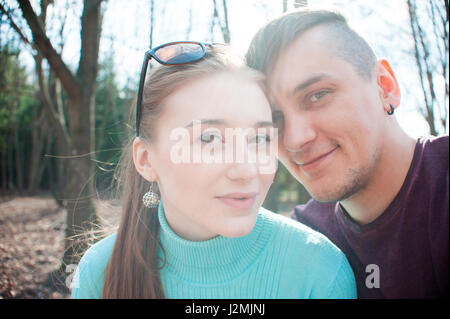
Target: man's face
(330,118)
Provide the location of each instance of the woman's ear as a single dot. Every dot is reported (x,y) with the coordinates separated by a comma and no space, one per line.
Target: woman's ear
(387,83)
(142,160)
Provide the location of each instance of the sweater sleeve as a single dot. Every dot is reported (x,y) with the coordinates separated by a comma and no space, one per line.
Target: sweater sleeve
(343,286)
(334,284)
(85,285)
(90,274)
(334,279)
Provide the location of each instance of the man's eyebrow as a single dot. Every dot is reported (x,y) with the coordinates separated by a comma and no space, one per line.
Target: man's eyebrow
(222,122)
(310,81)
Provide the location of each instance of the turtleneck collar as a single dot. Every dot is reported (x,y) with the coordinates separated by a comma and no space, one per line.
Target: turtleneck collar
(216,260)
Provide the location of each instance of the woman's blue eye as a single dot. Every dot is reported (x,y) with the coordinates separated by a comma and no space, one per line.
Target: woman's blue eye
(317,96)
(210,137)
(261,139)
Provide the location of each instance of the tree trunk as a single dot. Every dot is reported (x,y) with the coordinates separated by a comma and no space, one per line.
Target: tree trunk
(15,133)
(10,164)
(18,154)
(81,215)
(224,27)
(38,136)
(152,19)
(435,111)
(189,28)
(79,140)
(3,160)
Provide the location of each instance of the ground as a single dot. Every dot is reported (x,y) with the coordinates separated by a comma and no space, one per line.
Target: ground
(31,247)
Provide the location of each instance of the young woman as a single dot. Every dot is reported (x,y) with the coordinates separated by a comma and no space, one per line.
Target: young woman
(192,223)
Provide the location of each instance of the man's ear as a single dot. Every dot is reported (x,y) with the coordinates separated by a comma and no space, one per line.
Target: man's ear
(387,83)
(142,160)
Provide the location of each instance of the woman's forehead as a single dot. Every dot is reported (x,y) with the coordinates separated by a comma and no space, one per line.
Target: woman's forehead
(224,97)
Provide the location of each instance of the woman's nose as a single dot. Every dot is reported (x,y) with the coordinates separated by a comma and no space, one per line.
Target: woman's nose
(242,171)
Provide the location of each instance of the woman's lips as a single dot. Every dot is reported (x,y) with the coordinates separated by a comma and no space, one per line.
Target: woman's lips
(238,200)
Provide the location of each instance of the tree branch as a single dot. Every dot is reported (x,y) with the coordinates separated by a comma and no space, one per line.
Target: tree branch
(44,46)
(223,26)
(152,17)
(56,119)
(428,112)
(15,27)
(226,28)
(49,107)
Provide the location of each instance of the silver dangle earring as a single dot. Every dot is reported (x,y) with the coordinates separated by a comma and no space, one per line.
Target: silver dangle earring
(151,199)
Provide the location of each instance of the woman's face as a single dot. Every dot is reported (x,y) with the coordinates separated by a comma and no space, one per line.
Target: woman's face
(212,156)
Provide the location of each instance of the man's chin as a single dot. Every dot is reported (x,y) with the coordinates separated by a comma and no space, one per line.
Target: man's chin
(324,199)
(328,196)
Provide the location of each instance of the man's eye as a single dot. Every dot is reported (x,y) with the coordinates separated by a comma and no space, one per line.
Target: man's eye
(210,137)
(317,96)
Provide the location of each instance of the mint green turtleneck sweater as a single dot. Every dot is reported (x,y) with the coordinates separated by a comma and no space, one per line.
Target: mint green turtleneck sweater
(279,258)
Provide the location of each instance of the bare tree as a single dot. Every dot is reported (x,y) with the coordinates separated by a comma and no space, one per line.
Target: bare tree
(152,21)
(297,4)
(221,20)
(189,28)
(300,3)
(431,55)
(51,99)
(78,138)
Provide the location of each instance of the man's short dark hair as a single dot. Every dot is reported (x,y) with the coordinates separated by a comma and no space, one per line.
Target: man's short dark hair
(274,37)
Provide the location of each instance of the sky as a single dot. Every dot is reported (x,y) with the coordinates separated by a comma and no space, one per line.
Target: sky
(126,25)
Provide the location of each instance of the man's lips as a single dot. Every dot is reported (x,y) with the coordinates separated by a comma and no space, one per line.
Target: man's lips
(238,200)
(312,163)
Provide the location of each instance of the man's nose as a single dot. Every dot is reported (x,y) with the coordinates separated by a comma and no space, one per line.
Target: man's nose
(298,132)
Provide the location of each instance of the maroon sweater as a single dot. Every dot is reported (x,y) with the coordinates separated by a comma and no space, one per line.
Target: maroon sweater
(408,243)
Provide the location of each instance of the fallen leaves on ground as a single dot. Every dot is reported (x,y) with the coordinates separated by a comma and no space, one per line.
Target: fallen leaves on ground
(32,245)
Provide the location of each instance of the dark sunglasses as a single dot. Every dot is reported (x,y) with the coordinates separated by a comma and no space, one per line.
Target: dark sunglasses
(173,53)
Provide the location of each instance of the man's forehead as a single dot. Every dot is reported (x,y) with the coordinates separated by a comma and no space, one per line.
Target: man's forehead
(306,53)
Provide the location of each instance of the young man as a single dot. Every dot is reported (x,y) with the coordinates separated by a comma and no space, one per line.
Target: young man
(378,194)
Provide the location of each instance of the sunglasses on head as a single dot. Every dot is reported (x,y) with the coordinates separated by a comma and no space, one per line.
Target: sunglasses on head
(173,53)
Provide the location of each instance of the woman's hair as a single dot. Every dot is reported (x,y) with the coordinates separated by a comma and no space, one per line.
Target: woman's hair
(133,269)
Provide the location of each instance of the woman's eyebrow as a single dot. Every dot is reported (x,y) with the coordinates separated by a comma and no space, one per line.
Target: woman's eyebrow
(206,122)
(263,123)
(223,122)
